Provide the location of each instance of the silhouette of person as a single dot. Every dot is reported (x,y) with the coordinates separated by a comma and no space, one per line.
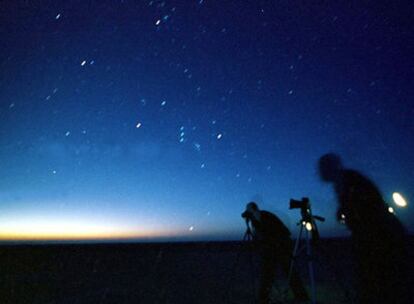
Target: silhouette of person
(276,247)
(377,235)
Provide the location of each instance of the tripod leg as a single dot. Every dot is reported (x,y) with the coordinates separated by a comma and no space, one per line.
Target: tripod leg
(310,267)
(295,253)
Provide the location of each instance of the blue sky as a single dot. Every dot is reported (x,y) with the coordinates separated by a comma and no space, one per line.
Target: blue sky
(160,118)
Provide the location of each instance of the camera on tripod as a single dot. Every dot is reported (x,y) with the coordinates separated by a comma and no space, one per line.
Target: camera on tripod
(246,215)
(302,204)
(308,219)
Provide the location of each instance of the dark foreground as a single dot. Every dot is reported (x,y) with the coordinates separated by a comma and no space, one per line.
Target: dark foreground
(159,273)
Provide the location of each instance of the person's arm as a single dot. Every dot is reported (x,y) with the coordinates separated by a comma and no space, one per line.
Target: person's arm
(344,198)
(340,215)
(350,204)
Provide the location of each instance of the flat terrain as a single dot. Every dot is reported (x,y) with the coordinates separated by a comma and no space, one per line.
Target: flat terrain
(212,272)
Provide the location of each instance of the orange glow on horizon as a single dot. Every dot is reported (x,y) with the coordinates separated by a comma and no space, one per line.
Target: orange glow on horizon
(72,230)
(68,237)
(15,236)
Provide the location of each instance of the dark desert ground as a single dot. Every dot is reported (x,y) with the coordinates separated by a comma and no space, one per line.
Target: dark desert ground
(196,272)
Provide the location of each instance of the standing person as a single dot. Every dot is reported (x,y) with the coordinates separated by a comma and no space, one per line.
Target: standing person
(273,238)
(377,235)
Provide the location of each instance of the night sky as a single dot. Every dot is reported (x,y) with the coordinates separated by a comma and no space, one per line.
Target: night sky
(162,119)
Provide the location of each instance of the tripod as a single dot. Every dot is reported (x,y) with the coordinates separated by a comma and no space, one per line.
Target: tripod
(296,252)
(311,231)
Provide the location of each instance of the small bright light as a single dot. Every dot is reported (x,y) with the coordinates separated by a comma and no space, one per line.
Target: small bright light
(219,136)
(399,200)
(308,226)
(83,63)
(67,133)
(343,216)
(158,22)
(138,125)
(191,228)
(303,223)
(57,16)
(390,210)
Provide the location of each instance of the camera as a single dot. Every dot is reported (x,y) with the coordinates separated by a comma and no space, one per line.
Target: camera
(246,215)
(302,204)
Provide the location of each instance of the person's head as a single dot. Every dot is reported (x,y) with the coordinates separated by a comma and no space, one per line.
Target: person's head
(330,167)
(252,211)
